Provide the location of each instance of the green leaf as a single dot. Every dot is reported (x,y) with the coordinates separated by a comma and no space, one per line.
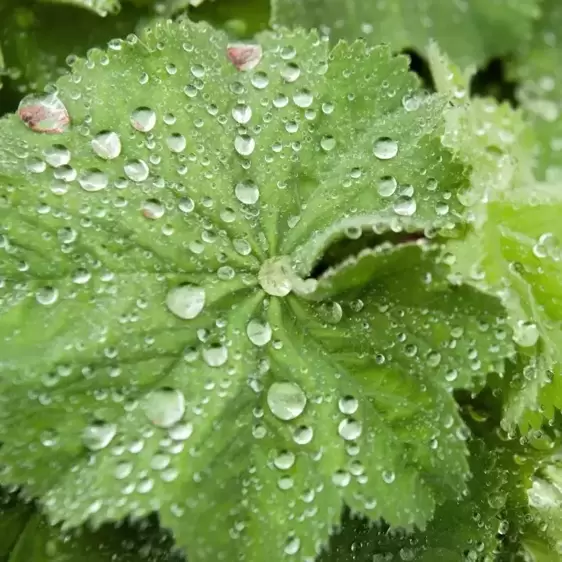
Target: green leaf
(515,253)
(27,535)
(538,67)
(100,7)
(161,214)
(470,32)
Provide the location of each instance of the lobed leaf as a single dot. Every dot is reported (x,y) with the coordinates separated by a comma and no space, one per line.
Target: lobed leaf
(163,348)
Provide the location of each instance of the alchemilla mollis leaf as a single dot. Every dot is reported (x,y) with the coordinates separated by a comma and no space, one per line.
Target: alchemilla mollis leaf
(162,346)
(470,32)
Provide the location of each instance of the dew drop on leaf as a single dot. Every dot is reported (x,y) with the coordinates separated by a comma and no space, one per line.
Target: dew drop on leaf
(286,400)
(350,429)
(259,333)
(292,546)
(385,148)
(181,431)
(526,334)
(387,186)
(176,142)
(164,407)
(215,355)
(405,206)
(98,435)
(284,460)
(152,209)
(44,113)
(247,192)
(244,145)
(242,113)
(274,277)
(341,478)
(47,296)
(244,56)
(303,435)
(143,119)
(93,180)
(57,155)
(107,145)
(348,405)
(186,301)
(136,170)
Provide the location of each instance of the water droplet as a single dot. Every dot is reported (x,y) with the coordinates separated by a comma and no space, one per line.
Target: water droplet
(123,470)
(47,296)
(181,431)
(176,142)
(259,333)
(275,277)
(526,334)
(350,429)
(143,119)
(385,148)
(107,145)
(152,209)
(328,143)
(405,206)
(388,476)
(44,113)
(136,170)
(98,435)
(186,301)
(247,192)
(57,155)
(242,113)
(244,56)
(303,435)
(284,460)
(286,400)
(93,180)
(387,186)
(164,407)
(348,405)
(244,145)
(215,355)
(292,546)
(341,478)
(303,98)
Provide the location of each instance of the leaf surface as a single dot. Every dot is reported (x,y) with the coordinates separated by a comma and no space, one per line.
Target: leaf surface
(469,32)
(162,212)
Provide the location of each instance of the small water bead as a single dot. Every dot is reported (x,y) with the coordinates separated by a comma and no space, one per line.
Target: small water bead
(285,483)
(286,400)
(164,407)
(136,170)
(215,355)
(186,205)
(388,476)
(47,296)
(385,148)
(350,429)
(244,145)
(93,180)
(284,461)
(57,155)
(348,405)
(44,113)
(405,206)
(107,145)
(186,301)
(242,113)
(153,209)
(328,143)
(176,142)
(98,435)
(143,119)
(387,186)
(247,192)
(259,333)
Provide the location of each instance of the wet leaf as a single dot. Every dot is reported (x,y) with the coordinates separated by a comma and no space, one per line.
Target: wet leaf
(469,32)
(162,344)
(100,7)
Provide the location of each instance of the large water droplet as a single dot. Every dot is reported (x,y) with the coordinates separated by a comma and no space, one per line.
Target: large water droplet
(247,192)
(350,429)
(186,301)
(385,148)
(242,113)
(143,119)
(215,355)
(93,180)
(176,142)
(98,435)
(164,407)
(526,334)
(244,145)
(348,405)
(136,170)
(286,400)
(405,206)
(107,145)
(284,460)
(259,333)
(47,296)
(387,186)
(57,155)
(44,113)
